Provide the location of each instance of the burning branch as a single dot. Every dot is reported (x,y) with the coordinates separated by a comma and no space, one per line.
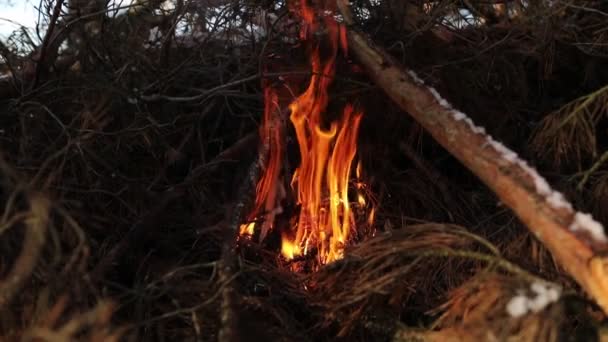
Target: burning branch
(269,146)
(574,238)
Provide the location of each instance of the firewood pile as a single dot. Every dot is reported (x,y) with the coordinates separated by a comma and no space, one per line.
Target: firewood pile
(306,170)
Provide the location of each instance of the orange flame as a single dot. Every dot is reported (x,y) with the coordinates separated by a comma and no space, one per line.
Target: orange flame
(323,169)
(247,228)
(288,249)
(321,182)
(268,190)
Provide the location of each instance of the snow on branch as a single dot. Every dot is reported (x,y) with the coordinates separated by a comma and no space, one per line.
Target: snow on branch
(581,222)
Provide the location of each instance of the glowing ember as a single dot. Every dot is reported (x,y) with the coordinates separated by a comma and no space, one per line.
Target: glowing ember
(361,200)
(247,229)
(269,190)
(371,217)
(288,249)
(321,182)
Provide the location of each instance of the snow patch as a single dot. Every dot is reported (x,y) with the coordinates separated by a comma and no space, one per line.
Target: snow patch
(584,222)
(460,116)
(518,306)
(442,102)
(554,198)
(557,200)
(544,294)
(456,114)
(415,77)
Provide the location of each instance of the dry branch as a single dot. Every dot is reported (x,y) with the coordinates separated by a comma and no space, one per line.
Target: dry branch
(45,50)
(232,153)
(144,225)
(228,266)
(35,237)
(575,240)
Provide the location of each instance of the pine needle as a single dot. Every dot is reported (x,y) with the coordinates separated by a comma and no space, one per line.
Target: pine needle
(568,135)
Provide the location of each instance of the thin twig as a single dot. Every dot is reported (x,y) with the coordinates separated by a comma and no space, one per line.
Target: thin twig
(227,266)
(44,49)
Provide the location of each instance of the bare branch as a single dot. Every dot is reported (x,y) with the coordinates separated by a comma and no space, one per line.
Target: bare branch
(35,235)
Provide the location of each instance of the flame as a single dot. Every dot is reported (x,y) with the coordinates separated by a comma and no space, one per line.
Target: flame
(371,217)
(327,150)
(288,249)
(268,189)
(361,199)
(247,229)
(326,153)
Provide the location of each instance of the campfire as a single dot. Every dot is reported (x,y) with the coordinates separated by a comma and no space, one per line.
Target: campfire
(322,185)
(305,170)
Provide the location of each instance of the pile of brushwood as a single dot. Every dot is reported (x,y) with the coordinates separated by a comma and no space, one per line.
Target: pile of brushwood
(128,152)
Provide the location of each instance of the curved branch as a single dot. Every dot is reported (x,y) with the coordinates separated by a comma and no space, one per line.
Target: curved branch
(35,236)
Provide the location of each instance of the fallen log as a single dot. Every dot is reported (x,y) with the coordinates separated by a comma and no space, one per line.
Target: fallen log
(575,240)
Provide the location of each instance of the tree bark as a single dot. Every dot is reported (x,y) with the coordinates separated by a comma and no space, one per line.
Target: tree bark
(575,240)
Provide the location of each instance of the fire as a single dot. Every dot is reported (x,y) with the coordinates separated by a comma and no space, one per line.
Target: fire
(327,150)
(247,229)
(324,169)
(269,189)
(289,249)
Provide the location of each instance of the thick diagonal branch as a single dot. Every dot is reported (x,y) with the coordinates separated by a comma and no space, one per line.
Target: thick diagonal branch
(575,239)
